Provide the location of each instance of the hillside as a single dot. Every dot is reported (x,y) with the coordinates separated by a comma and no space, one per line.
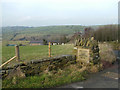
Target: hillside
(37,33)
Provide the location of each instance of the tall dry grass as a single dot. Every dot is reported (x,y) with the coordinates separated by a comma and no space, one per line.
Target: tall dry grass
(107,53)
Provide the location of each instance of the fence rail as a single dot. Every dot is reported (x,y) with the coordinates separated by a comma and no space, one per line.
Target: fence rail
(7,61)
(17,55)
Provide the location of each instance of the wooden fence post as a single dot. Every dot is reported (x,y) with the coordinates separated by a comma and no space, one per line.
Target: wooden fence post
(17,53)
(49,50)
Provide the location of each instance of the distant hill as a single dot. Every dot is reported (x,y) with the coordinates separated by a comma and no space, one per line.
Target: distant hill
(37,33)
(24,33)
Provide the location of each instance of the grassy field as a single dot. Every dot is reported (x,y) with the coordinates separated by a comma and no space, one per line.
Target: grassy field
(35,52)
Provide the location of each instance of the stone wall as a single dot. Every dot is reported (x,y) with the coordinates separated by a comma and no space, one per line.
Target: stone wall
(34,67)
(87,51)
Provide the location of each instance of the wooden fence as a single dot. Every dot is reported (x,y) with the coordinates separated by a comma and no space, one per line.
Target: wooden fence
(17,55)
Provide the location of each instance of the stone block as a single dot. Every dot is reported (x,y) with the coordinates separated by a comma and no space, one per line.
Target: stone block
(83,55)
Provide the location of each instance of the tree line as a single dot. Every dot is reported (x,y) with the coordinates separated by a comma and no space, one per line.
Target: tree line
(103,33)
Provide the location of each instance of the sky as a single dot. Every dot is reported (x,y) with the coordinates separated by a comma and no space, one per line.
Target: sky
(58,12)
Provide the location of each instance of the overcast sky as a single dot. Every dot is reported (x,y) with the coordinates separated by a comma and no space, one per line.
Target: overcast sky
(58,12)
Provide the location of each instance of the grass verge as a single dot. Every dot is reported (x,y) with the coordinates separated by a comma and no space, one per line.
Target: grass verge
(68,75)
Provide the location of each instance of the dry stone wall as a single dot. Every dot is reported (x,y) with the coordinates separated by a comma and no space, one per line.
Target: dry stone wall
(34,67)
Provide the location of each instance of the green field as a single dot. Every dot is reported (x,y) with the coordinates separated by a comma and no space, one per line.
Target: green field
(35,52)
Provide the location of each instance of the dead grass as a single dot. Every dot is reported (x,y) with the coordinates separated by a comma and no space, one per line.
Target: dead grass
(106,53)
(94,69)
